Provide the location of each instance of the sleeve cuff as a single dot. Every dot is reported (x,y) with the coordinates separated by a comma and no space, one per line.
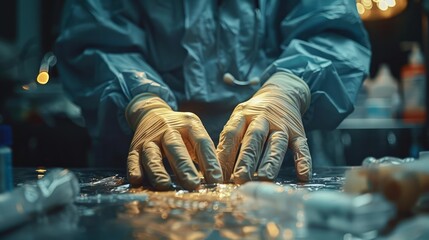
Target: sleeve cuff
(293,84)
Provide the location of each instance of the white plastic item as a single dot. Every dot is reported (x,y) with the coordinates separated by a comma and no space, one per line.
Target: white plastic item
(269,202)
(387,160)
(383,95)
(58,188)
(356,214)
(385,85)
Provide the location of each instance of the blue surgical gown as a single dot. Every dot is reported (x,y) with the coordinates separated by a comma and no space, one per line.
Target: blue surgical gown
(184,48)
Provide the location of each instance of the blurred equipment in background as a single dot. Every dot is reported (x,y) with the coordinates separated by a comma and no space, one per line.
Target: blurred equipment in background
(48,129)
(6,180)
(390,112)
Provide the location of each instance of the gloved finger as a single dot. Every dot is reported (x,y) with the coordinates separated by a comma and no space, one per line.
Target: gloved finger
(189,146)
(134,169)
(230,139)
(179,159)
(205,152)
(272,160)
(154,168)
(251,150)
(302,158)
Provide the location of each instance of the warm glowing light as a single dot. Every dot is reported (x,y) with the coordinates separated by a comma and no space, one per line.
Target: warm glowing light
(360,8)
(288,234)
(43,78)
(383,9)
(391,3)
(367,4)
(248,229)
(272,230)
(29,87)
(382,5)
(40,170)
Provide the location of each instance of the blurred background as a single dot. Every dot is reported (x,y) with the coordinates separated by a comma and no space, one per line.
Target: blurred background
(389,119)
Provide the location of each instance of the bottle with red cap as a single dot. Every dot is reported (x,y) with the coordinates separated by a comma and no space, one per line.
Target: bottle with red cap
(414,86)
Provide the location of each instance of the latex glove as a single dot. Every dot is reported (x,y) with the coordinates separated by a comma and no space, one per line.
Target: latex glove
(265,126)
(180,136)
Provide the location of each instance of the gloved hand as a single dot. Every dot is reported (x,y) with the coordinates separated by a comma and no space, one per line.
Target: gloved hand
(265,126)
(180,136)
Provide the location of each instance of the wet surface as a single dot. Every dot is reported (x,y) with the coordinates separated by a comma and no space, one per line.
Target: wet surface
(108,208)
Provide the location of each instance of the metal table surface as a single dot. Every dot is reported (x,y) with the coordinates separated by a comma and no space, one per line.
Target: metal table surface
(108,208)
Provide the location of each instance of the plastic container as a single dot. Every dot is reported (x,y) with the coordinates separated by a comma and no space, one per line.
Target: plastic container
(6,180)
(270,202)
(298,209)
(414,87)
(383,95)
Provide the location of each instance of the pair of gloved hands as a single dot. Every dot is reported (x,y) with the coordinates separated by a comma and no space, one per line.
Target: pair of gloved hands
(259,131)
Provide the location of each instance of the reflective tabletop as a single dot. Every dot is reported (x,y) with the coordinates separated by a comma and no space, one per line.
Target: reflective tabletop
(107,207)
